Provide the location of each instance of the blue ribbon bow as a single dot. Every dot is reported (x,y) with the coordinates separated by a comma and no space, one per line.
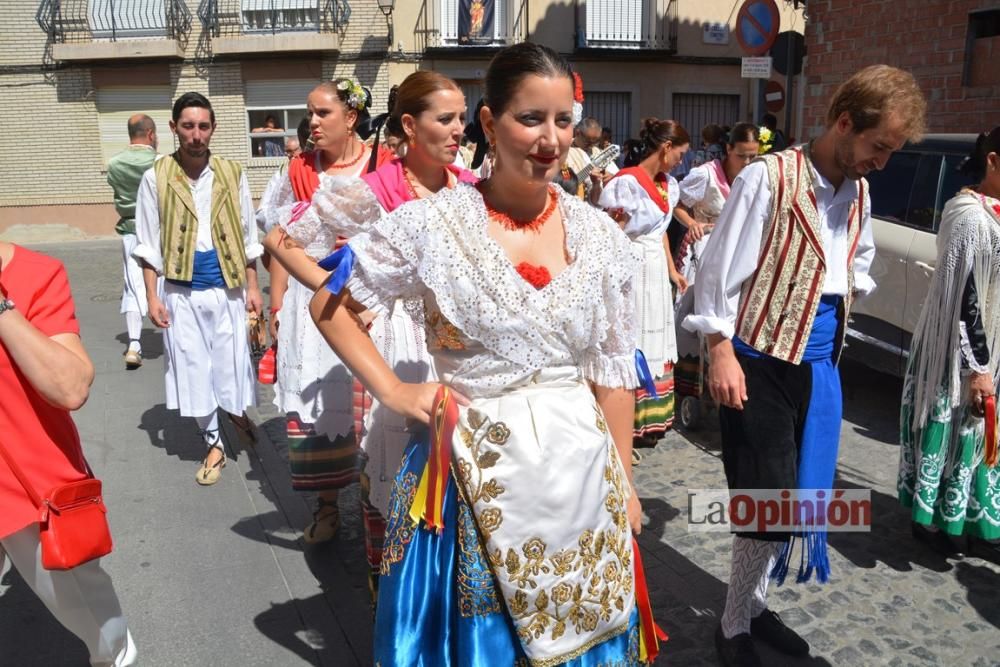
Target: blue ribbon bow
(645,377)
(340,263)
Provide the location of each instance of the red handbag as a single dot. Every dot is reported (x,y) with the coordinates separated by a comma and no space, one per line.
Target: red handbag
(267,367)
(73,523)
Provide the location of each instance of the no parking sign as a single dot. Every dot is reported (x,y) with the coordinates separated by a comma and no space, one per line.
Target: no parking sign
(757,26)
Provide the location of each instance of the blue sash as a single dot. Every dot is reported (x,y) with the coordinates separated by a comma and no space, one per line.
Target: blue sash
(207,272)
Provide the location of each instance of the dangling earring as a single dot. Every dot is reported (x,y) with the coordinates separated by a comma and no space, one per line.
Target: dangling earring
(402,149)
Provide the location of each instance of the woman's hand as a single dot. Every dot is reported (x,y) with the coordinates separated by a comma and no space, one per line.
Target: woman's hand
(679,280)
(416,401)
(634,512)
(980,387)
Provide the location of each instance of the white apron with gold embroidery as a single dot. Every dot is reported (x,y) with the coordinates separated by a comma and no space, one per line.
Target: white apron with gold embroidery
(562,562)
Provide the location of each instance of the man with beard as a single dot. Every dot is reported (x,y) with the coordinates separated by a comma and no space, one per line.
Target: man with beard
(789,254)
(194,219)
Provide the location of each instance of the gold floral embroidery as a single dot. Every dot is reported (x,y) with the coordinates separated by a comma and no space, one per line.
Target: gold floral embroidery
(399,528)
(478,487)
(446,334)
(602,425)
(477,595)
(581,605)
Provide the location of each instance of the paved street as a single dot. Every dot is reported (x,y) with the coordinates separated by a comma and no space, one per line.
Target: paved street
(218,576)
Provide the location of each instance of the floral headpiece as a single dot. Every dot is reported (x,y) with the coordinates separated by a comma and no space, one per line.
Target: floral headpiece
(577,98)
(766,140)
(356,96)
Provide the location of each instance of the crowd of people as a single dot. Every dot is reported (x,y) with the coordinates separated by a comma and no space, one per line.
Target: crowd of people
(478,317)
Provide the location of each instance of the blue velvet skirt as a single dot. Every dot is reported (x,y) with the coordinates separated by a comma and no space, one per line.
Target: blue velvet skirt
(437,602)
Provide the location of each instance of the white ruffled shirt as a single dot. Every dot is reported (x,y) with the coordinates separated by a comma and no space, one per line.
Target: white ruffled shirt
(439,249)
(731,255)
(645,216)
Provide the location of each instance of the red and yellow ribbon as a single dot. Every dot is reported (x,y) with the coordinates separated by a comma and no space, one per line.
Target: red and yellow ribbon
(428,503)
(990,408)
(650,634)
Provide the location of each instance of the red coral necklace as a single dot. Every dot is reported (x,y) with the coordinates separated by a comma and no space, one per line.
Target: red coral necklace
(515,225)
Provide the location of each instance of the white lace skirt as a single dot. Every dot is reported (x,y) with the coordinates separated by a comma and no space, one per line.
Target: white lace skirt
(401,340)
(655,305)
(311,379)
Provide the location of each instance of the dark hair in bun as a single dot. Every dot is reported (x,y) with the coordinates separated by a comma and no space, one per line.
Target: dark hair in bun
(742,133)
(413,97)
(653,135)
(986,143)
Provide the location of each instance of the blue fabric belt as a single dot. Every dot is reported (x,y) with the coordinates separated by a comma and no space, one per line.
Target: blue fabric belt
(822,338)
(207,272)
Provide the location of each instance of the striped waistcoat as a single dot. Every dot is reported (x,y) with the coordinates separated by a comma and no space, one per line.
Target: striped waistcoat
(778,302)
(179,220)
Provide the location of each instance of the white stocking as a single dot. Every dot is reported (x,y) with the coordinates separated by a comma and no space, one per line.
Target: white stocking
(747,593)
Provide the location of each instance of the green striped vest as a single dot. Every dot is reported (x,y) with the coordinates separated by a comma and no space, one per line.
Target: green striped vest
(179,220)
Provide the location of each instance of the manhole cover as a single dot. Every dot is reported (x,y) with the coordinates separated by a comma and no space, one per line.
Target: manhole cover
(105,297)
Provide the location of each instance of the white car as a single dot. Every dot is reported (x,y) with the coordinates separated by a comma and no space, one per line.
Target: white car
(907,199)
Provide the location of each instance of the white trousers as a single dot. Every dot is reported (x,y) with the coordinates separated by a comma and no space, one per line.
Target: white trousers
(207,352)
(82,599)
(134,293)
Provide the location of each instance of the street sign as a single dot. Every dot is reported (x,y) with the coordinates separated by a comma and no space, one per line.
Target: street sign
(715,33)
(787,51)
(757,26)
(756,68)
(774,96)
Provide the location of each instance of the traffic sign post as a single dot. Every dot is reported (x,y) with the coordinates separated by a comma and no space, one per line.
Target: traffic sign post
(757,26)
(774,96)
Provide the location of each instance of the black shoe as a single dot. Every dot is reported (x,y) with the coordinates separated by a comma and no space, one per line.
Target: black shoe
(770,628)
(737,651)
(937,540)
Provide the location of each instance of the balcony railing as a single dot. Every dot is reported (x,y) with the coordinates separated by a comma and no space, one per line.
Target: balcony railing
(247,18)
(67,21)
(627,24)
(438,25)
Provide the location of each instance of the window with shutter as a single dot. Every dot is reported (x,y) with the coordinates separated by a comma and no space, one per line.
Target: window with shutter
(695,110)
(127,18)
(115,104)
(274,111)
(280,15)
(615,23)
(613,110)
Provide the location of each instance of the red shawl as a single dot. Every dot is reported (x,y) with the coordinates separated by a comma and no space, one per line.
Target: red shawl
(647,183)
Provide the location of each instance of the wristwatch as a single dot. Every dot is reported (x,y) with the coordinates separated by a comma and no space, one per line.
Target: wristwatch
(6,305)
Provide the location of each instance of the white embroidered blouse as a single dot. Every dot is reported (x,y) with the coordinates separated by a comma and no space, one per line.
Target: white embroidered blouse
(488,328)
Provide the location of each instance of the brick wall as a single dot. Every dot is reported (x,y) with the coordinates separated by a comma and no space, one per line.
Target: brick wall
(925,37)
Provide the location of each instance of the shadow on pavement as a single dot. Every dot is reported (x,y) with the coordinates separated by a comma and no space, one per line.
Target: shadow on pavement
(174,434)
(688,601)
(981,584)
(151,341)
(890,531)
(29,634)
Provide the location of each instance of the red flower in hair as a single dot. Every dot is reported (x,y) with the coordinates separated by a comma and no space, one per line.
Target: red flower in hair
(996,209)
(577,88)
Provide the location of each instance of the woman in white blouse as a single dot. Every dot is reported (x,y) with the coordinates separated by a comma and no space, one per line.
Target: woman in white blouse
(642,197)
(522,492)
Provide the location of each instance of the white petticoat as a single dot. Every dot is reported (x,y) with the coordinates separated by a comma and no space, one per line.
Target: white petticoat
(655,305)
(311,379)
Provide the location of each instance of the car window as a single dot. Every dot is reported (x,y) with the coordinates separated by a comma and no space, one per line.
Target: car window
(890,188)
(923,211)
(952,182)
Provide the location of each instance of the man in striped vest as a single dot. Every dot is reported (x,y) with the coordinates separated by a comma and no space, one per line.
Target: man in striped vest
(790,252)
(195,226)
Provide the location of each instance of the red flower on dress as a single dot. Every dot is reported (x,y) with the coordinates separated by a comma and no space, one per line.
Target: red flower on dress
(536,276)
(996,209)
(577,88)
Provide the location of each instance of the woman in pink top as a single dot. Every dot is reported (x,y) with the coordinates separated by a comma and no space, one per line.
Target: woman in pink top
(427,114)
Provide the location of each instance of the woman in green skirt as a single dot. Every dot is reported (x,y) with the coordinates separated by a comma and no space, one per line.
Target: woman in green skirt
(945,471)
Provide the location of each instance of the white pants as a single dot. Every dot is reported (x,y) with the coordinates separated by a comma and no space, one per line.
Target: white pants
(134,294)
(207,353)
(82,599)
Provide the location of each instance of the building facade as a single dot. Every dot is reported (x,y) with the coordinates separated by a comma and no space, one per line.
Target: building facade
(952,47)
(72,71)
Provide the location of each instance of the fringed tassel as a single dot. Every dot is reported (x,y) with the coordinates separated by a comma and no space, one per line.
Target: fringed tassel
(813,558)
(780,569)
(650,634)
(991,454)
(340,264)
(428,502)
